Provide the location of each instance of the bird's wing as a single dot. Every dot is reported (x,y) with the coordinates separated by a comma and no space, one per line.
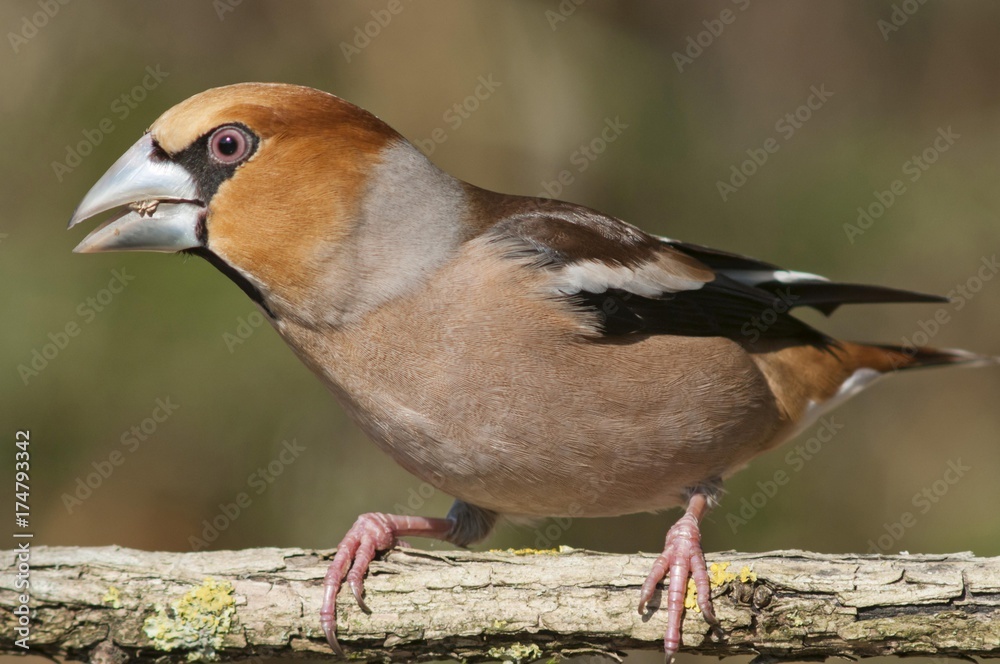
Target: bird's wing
(639,283)
(807,290)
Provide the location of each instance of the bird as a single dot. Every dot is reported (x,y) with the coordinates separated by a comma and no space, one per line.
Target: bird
(528,357)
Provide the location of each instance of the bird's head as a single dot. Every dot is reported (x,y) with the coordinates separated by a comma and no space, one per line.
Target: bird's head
(269,182)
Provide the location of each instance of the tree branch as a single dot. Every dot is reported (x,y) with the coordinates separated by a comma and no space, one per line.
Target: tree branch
(110,603)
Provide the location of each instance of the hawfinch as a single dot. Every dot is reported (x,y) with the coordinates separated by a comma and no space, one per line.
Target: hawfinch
(529,357)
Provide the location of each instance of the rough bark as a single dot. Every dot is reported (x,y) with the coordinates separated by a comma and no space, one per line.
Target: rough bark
(107,604)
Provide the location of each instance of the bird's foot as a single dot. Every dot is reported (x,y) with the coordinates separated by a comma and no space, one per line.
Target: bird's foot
(370,534)
(682,558)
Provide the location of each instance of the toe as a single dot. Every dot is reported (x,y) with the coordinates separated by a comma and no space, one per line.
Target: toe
(370,534)
(699,572)
(659,571)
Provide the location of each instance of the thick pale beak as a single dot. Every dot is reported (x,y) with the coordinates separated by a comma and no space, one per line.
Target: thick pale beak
(162,198)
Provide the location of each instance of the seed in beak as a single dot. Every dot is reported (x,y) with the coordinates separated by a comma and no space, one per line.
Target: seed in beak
(145,208)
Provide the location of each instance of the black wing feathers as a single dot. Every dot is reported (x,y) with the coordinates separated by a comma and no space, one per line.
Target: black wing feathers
(822,295)
(707,312)
(741,298)
(826,296)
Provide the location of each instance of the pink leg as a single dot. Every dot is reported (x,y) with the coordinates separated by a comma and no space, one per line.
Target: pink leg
(682,557)
(371,533)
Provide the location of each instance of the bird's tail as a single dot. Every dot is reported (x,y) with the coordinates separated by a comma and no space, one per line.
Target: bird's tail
(888,358)
(837,373)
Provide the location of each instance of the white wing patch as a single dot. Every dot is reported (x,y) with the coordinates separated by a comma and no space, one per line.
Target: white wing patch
(755,277)
(650,279)
(750,277)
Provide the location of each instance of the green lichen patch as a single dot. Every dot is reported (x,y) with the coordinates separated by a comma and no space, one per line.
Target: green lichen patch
(197,622)
(112,598)
(516,654)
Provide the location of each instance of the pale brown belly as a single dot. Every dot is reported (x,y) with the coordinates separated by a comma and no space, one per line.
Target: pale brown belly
(590,430)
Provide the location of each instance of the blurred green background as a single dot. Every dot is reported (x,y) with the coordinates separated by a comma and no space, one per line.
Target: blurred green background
(688,104)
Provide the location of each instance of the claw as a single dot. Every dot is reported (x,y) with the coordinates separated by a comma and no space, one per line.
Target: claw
(330,630)
(358,590)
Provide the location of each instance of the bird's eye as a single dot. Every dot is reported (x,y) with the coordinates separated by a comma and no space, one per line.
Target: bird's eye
(229,145)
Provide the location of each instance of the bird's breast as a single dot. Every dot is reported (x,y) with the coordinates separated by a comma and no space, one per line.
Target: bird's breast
(495,397)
